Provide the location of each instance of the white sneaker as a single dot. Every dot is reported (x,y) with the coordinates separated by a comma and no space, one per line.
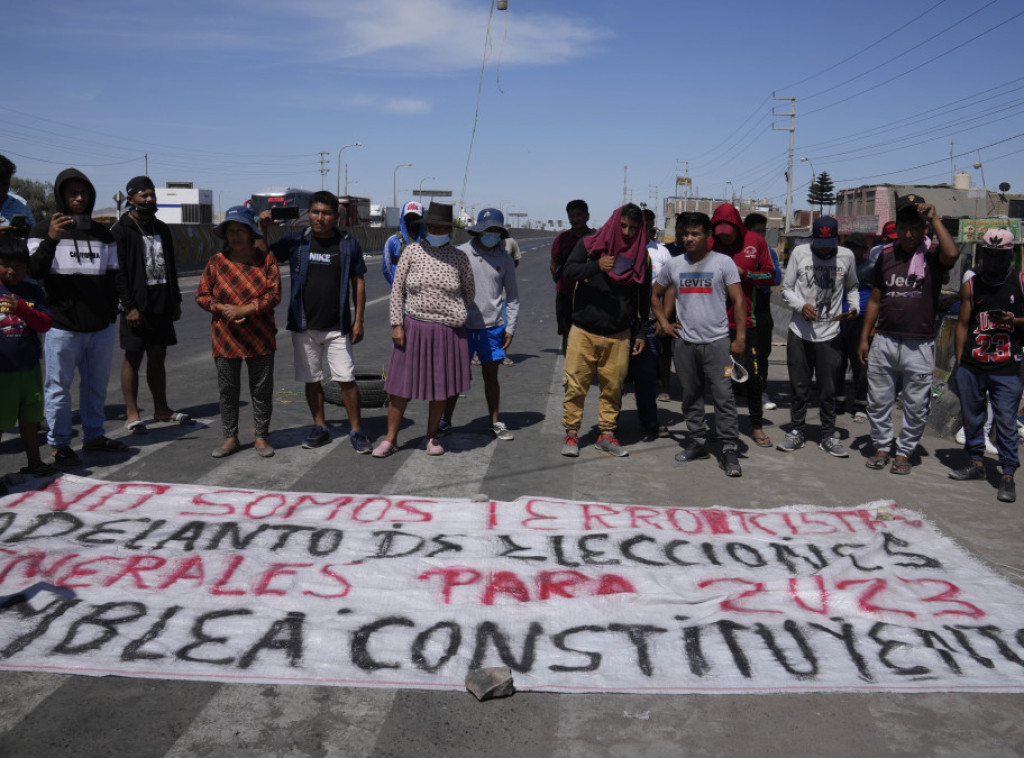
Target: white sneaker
(768,405)
(990,448)
(960,438)
(502,432)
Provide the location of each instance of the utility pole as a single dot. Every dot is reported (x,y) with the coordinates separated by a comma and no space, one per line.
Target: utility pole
(625,192)
(789,166)
(323,166)
(147,164)
(653,196)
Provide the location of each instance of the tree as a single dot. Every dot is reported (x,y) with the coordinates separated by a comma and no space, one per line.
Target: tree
(38,195)
(822,192)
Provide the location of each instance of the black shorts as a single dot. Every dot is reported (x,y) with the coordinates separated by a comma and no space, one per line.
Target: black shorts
(157,330)
(563,312)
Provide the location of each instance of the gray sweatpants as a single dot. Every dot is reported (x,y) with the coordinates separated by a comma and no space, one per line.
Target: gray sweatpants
(912,360)
(702,366)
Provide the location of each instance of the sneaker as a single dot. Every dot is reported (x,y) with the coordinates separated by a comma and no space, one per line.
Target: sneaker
(1007,490)
(833,447)
(608,444)
(692,452)
(663,431)
(730,463)
(65,456)
(360,442)
(648,433)
(990,448)
(318,436)
(571,446)
(768,405)
(859,417)
(384,449)
(502,432)
(434,447)
(444,428)
(960,438)
(793,441)
(971,471)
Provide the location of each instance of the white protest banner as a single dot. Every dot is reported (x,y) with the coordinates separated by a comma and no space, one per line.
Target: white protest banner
(176,581)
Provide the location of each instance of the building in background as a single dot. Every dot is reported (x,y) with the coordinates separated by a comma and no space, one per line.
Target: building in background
(182,203)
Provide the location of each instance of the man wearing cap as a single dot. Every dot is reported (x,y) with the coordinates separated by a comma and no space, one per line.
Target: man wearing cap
(888,236)
(12,206)
(75,258)
(147,287)
(327,268)
(704,353)
(488,333)
(579,217)
(749,251)
(819,277)
(410,229)
(989,337)
(849,335)
(905,287)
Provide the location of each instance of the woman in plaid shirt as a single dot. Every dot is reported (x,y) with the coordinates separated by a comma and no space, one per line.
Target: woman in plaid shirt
(241,287)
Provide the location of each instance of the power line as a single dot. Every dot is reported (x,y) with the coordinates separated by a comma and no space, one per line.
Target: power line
(920,65)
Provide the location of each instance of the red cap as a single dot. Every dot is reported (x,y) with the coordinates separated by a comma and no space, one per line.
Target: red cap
(889,230)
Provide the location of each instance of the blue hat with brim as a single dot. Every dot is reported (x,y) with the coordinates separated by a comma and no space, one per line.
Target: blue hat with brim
(239,214)
(488,218)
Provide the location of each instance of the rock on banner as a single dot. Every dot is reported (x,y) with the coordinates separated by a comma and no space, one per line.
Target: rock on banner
(177,581)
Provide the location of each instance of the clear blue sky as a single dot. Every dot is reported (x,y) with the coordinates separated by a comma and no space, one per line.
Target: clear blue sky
(240,96)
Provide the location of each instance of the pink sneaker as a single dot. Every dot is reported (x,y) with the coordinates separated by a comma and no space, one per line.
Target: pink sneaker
(384,449)
(434,447)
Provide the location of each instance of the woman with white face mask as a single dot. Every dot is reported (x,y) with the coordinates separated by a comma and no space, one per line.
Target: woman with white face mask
(432,289)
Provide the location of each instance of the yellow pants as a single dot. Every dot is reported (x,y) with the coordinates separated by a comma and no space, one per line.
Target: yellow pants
(585,355)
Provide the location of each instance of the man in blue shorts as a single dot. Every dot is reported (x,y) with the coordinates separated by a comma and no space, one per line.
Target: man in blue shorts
(494,272)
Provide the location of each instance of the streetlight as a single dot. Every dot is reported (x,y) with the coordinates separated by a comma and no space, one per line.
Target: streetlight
(419,194)
(814,178)
(394,184)
(732,194)
(338,164)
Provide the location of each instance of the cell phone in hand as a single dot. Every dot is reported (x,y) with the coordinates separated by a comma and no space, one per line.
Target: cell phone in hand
(282,214)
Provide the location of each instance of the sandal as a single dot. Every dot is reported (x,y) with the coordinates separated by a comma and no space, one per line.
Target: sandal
(508,361)
(138,426)
(225,450)
(763,440)
(878,461)
(900,467)
(104,445)
(181,419)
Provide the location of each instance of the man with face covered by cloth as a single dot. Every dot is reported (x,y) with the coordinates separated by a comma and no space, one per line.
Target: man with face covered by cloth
(147,286)
(989,339)
(905,287)
(819,277)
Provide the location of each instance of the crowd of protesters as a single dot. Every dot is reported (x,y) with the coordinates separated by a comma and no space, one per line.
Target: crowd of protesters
(625,305)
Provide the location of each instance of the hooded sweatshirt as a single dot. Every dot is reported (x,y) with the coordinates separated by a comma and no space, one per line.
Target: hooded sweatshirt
(78,270)
(396,242)
(751,255)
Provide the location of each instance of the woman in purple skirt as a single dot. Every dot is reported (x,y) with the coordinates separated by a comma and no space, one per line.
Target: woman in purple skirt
(432,288)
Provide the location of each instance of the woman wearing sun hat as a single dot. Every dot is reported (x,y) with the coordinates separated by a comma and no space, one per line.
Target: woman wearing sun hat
(432,290)
(241,286)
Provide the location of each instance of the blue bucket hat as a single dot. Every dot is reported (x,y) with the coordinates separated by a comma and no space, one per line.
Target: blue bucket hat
(240,214)
(487,218)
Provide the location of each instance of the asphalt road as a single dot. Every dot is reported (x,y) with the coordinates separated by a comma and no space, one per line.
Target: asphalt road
(49,714)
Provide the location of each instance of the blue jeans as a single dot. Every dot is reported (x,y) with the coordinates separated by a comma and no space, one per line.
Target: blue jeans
(1003,390)
(90,353)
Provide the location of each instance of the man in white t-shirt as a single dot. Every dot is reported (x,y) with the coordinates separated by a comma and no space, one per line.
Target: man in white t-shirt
(705,283)
(819,277)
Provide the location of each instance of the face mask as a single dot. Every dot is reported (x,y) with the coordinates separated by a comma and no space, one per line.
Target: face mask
(994,267)
(145,208)
(438,239)
(490,239)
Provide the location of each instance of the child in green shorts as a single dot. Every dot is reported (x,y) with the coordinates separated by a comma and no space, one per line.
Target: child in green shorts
(23,317)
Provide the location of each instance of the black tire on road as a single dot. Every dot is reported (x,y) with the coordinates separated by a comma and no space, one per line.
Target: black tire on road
(371,390)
